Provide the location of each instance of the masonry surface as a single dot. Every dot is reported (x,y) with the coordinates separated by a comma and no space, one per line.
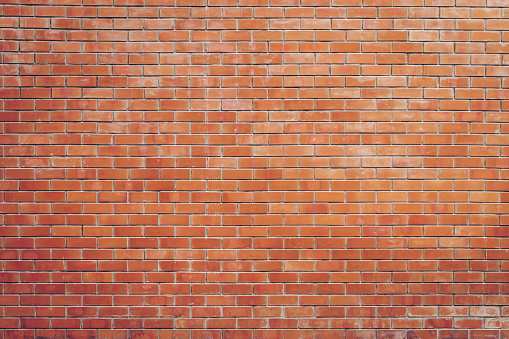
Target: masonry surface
(254,169)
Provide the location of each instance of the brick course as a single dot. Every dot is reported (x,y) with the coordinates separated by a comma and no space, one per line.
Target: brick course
(254,169)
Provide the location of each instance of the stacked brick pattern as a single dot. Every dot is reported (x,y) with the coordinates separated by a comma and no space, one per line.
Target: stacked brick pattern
(254,168)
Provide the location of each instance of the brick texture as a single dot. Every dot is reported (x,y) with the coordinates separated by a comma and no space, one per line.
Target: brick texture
(254,169)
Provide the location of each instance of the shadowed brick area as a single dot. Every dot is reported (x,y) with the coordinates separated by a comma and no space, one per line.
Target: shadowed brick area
(254,169)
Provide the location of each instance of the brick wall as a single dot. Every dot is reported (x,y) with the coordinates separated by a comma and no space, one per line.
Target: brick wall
(254,168)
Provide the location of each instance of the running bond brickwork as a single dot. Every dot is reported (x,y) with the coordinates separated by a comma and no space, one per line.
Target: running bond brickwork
(254,169)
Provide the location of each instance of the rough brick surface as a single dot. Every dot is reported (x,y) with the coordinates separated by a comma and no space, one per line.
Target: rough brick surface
(254,168)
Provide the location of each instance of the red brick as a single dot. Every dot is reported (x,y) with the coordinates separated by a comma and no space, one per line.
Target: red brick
(348,153)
